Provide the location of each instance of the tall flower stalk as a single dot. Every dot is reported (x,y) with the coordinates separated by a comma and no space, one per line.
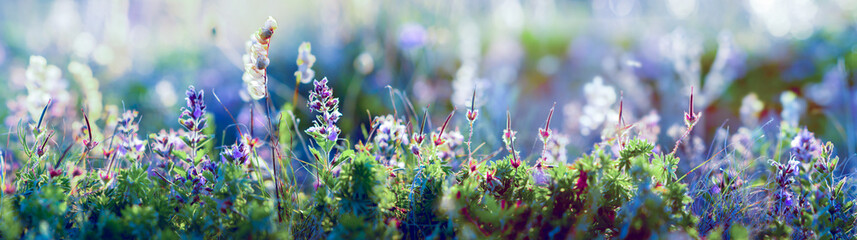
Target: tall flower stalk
(472,115)
(255,77)
(256,60)
(690,120)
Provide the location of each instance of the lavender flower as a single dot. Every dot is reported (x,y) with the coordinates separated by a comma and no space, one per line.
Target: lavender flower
(539,176)
(783,196)
(321,100)
(805,146)
(163,144)
(240,151)
(193,116)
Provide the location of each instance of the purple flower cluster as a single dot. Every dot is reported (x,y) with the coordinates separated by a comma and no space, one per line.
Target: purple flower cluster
(163,144)
(805,146)
(193,116)
(240,151)
(389,133)
(451,141)
(127,128)
(321,100)
(783,196)
(197,179)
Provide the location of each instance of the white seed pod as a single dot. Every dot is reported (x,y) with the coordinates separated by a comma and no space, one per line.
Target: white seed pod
(256,90)
(262,62)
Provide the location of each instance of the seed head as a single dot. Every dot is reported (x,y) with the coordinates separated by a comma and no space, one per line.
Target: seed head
(691,117)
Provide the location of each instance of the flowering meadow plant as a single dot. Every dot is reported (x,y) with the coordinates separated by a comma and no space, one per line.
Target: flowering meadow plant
(83,169)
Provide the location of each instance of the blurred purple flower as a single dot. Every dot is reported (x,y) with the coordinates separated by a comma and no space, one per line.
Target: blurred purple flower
(412,36)
(805,146)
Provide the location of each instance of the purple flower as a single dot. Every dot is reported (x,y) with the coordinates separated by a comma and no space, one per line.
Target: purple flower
(163,144)
(238,152)
(805,146)
(321,100)
(785,177)
(540,177)
(127,127)
(714,190)
(412,36)
(193,116)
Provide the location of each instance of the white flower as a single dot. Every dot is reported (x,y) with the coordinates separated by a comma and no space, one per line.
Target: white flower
(751,107)
(598,108)
(793,107)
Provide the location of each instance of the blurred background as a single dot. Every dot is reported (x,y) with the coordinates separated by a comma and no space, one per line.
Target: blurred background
(751,63)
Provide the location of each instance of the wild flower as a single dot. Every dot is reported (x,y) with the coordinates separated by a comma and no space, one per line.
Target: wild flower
(539,176)
(649,127)
(509,141)
(750,109)
(412,36)
(793,108)
(256,60)
(472,114)
(54,172)
(163,144)
(198,181)
(193,118)
(240,152)
(451,141)
(691,117)
(44,83)
(76,172)
(305,74)
(89,142)
(321,101)
(9,189)
(437,138)
(127,132)
(556,149)
(491,181)
(598,110)
(508,133)
(805,147)
(105,177)
(783,196)
(545,133)
(389,133)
